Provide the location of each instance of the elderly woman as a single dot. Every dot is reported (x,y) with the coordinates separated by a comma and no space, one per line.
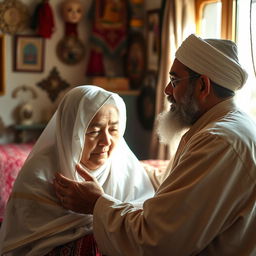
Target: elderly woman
(87,129)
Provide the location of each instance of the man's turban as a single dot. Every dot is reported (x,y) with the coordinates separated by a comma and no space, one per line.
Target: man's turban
(215,58)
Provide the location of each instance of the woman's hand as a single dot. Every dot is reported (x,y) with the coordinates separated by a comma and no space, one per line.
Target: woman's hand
(78,196)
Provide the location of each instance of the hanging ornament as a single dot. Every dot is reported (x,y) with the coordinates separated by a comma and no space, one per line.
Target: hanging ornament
(43,20)
(70,49)
(109,38)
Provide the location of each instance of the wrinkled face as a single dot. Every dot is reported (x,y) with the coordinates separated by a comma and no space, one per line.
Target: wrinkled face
(72,11)
(101,137)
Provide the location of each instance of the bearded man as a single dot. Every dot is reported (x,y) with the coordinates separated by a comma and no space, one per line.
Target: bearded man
(206,205)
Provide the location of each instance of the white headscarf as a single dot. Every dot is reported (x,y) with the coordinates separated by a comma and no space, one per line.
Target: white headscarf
(34,218)
(214,58)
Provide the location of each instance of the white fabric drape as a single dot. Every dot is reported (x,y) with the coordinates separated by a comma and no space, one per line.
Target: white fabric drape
(178,23)
(34,221)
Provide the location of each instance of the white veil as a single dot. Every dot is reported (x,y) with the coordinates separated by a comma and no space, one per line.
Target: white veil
(34,221)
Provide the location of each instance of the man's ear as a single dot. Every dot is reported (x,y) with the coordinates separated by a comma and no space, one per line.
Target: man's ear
(204,87)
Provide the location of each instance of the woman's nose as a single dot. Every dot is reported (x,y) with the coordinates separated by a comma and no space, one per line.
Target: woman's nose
(168,89)
(105,139)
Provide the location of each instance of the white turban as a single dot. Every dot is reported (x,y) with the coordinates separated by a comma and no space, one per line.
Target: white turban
(215,58)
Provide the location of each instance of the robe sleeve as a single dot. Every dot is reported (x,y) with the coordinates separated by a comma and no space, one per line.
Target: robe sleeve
(199,200)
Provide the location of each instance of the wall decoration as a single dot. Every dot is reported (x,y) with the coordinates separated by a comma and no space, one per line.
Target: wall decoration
(70,48)
(146,106)
(53,84)
(137,15)
(14,16)
(136,60)
(153,39)
(29,53)
(108,40)
(43,20)
(24,112)
(2,64)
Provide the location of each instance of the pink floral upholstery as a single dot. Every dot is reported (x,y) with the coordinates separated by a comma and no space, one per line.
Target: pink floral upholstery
(12,157)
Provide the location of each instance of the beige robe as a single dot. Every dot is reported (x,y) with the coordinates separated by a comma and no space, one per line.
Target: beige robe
(205,206)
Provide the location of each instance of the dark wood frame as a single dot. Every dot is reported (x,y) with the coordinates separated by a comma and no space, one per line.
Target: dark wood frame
(22,41)
(2,64)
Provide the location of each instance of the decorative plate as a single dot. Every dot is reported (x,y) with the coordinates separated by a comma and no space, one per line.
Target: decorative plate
(70,50)
(13,16)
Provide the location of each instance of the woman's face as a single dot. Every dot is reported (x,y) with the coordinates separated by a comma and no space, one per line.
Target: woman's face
(101,137)
(72,11)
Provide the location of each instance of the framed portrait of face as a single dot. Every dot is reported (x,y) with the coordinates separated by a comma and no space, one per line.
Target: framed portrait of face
(28,53)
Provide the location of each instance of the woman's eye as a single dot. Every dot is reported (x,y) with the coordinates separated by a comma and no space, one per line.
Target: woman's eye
(93,133)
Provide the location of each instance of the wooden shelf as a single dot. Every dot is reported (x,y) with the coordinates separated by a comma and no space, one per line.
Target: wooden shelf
(128,92)
(27,133)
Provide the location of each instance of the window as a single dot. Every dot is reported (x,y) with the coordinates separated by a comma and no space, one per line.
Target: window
(215,18)
(230,19)
(245,39)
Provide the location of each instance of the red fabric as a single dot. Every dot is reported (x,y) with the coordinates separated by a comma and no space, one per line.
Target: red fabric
(12,157)
(95,65)
(45,20)
(71,29)
(85,246)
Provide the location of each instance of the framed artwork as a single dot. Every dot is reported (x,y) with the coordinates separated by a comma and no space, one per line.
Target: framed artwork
(153,39)
(2,64)
(136,60)
(28,53)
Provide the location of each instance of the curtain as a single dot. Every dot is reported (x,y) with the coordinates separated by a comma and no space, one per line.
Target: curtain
(178,22)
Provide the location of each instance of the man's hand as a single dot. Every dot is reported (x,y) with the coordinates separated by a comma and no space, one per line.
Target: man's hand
(78,196)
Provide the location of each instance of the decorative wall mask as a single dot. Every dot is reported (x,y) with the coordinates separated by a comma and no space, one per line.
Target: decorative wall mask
(70,49)
(13,16)
(53,84)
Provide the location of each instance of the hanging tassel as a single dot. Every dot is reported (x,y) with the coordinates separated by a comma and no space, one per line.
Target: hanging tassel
(42,20)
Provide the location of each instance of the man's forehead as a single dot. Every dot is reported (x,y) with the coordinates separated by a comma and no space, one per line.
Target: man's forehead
(178,68)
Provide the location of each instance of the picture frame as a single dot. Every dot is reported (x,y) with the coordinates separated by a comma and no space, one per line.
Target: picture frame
(29,53)
(153,39)
(136,60)
(2,64)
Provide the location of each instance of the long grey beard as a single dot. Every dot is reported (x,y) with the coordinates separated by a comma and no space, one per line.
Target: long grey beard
(170,128)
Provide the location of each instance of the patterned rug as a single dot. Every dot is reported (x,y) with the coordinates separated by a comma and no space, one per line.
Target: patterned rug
(85,246)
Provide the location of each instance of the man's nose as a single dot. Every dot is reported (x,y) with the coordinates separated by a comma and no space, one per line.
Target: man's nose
(168,89)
